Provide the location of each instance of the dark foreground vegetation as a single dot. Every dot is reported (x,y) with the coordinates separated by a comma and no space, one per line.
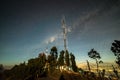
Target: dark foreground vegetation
(57,75)
(62,67)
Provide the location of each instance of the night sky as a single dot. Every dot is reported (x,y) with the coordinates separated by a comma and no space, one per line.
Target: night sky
(28,27)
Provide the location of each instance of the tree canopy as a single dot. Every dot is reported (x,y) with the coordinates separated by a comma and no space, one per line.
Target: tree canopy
(95,55)
(73,62)
(115,48)
(67,61)
(54,52)
(61,58)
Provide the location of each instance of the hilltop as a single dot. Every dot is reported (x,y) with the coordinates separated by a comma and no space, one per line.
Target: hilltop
(58,67)
(70,75)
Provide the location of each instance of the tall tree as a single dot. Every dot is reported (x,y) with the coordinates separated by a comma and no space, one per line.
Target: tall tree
(54,52)
(61,59)
(42,59)
(52,63)
(37,65)
(52,59)
(1,68)
(67,61)
(73,63)
(94,55)
(115,48)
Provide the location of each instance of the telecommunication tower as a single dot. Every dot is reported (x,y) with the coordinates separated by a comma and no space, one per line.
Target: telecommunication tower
(64,33)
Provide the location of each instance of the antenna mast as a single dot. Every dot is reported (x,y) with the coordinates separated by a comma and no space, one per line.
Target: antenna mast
(64,32)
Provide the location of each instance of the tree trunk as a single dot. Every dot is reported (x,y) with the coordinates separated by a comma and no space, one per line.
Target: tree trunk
(88,66)
(97,64)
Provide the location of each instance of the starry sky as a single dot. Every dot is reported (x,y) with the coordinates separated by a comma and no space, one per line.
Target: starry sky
(28,27)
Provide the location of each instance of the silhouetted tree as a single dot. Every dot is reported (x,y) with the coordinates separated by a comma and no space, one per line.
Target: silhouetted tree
(52,63)
(49,58)
(1,68)
(52,59)
(33,65)
(54,55)
(61,59)
(24,71)
(1,72)
(36,66)
(95,55)
(67,61)
(42,58)
(18,72)
(73,63)
(115,48)
(42,62)
(100,61)
(54,52)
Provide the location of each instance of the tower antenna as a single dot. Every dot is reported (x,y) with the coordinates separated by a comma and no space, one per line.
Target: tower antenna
(64,32)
